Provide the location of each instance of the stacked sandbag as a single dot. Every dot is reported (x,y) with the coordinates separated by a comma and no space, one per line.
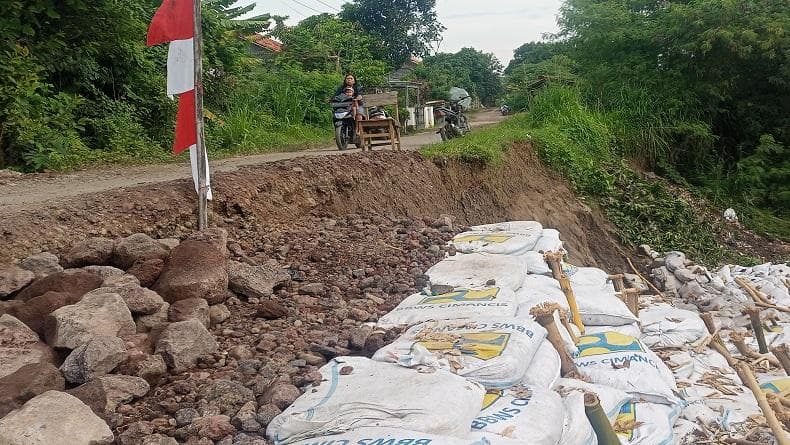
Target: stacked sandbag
(494,352)
(597,302)
(576,428)
(623,362)
(477,270)
(665,326)
(457,304)
(357,392)
(522,413)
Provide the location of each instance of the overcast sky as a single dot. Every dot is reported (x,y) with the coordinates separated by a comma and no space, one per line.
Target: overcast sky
(496,26)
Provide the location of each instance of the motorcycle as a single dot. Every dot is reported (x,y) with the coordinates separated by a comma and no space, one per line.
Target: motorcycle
(344,119)
(450,116)
(505,109)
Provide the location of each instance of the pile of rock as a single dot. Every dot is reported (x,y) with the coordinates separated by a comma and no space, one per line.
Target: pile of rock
(86,333)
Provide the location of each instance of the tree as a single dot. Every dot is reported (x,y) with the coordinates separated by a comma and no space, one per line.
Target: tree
(534,52)
(476,71)
(328,44)
(402,28)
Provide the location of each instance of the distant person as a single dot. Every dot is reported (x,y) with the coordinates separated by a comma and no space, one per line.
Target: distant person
(350,81)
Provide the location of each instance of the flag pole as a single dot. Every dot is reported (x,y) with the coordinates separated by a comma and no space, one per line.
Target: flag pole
(201,140)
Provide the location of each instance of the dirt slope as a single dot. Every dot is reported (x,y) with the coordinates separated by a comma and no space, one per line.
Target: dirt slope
(252,198)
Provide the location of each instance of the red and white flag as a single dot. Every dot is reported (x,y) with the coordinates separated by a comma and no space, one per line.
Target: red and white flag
(173,23)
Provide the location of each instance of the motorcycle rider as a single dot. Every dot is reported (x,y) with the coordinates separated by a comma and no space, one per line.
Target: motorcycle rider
(351,82)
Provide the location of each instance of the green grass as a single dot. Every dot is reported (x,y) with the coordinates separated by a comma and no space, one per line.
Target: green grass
(584,146)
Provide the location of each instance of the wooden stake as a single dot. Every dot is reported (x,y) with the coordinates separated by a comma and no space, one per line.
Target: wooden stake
(200,145)
(649,283)
(618,281)
(748,379)
(631,299)
(739,340)
(544,315)
(716,344)
(554,259)
(782,354)
(565,323)
(598,420)
(757,327)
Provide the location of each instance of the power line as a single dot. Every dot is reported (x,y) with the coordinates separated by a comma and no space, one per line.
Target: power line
(308,6)
(293,9)
(328,5)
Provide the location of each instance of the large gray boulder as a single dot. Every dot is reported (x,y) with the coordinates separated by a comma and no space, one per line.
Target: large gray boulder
(90,252)
(54,418)
(13,278)
(104,394)
(194,269)
(255,281)
(96,314)
(137,247)
(154,322)
(183,342)
(98,357)
(139,300)
(42,264)
(20,346)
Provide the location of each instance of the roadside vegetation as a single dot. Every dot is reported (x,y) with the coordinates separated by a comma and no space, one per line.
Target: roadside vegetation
(697,92)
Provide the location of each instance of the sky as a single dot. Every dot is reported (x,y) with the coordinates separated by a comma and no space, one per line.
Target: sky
(493,26)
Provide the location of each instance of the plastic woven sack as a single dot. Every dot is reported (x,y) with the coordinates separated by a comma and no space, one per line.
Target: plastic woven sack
(356,392)
(502,243)
(459,304)
(494,352)
(476,270)
(531,415)
(623,362)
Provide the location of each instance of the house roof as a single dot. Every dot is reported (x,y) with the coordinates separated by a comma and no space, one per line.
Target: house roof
(265,43)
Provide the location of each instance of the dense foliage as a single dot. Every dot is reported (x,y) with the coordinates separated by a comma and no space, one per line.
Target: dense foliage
(699,90)
(401,28)
(476,71)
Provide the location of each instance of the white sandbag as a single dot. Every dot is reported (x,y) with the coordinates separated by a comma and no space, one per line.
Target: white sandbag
(476,270)
(526,228)
(612,399)
(495,352)
(536,264)
(623,362)
(667,326)
(684,432)
(395,436)
(598,306)
(576,429)
(549,241)
(646,423)
(632,329)
(357,392)
(501,243)
(459,304)
(590,276)
(526,414)
(544,371)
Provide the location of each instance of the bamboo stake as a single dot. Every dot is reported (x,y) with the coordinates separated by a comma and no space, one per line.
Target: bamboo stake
(716,342)
(544,315)
(632,300)
(553,259)
(754,293)
(618,281)
(757,327)
(598,420)
(641,277)
(748,379)
(739,340)
(782,353)
(565,323)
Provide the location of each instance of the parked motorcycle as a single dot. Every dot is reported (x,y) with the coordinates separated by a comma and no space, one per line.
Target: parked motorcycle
(505,109)
(343,117)
(450,116)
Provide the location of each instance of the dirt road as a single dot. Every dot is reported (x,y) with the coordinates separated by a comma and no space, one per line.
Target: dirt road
(23,192)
